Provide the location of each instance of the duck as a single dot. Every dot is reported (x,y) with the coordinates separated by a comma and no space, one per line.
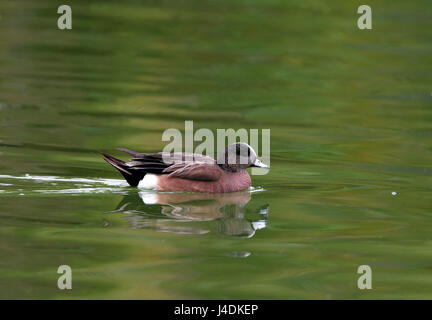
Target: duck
(189,172)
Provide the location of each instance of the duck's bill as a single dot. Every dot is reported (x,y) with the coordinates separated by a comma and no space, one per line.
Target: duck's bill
(259,164)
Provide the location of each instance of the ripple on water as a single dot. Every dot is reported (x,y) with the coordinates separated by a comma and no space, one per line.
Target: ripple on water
(63,185)
(71,185)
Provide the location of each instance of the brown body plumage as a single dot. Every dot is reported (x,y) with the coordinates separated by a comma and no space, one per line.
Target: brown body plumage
(191,172)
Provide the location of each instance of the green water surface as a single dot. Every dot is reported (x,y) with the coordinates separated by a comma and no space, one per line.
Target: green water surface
(351,146)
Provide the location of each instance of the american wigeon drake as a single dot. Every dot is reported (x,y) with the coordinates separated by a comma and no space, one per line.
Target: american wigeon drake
(189,172)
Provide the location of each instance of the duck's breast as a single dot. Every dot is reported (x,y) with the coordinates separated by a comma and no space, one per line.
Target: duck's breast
(228,182)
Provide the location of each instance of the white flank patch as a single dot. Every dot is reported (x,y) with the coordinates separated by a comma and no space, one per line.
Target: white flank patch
(149,182)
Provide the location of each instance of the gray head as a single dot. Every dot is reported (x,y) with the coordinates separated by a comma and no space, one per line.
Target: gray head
(239,156)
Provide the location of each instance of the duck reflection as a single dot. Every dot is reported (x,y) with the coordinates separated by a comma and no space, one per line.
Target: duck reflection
(194,213)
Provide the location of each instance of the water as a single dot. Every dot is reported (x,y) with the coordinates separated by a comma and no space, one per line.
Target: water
(350,118)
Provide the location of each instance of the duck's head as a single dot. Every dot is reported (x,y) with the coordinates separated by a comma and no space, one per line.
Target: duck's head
(239,156)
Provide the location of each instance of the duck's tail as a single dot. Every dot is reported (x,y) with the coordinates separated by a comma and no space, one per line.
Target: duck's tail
(133,177)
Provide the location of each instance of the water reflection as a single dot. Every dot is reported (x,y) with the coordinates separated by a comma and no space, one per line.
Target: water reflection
(190,213)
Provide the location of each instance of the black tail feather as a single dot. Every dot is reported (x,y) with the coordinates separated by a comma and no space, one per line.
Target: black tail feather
(132,153)
(133,177)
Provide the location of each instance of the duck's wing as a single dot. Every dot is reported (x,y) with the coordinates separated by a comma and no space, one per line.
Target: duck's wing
(195,171)
(177,164)
(149,163)
(168,158)
(191,166)
(184,157)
